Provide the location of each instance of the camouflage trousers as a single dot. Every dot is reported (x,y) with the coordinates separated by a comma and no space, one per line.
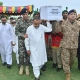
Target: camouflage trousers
(23,56)
(68,57)
(49,51)
(56,54)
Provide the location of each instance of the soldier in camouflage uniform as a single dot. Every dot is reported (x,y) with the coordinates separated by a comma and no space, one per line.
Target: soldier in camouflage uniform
(20,31)
(56,51)
(69,43)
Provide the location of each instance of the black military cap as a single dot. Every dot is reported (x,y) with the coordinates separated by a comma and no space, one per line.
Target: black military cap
(24,10)
(73,10)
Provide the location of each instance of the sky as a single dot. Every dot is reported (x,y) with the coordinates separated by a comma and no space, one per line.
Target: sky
(71,4)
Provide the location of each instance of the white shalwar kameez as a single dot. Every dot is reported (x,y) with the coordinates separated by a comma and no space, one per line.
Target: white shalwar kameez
(6,37)
(36,44)
(15,48)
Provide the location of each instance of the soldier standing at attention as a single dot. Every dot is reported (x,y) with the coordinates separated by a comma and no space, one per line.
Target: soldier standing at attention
(69,44)
(20,31)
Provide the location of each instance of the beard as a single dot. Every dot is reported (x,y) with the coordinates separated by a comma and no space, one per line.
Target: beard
(3,23)
(36,27)
(64,17)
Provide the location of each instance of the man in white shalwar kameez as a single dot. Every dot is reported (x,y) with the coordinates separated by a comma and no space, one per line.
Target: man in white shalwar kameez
(35,45)
(15,48)
(6,42)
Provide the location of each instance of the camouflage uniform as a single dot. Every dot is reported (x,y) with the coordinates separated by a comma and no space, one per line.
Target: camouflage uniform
(20,30)
(69,43)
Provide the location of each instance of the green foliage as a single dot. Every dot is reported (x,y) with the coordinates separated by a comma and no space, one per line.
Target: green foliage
(1,3)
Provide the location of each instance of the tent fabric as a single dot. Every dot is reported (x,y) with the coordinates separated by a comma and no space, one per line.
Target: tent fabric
(1,9)
(15,9)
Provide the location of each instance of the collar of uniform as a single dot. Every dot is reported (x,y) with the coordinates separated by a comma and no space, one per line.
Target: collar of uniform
(72,23)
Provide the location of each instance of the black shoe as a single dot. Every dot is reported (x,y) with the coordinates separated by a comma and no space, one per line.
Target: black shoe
(54,65)
(48,58)
(79,69)
(8,66)
(58,69)
(40,73)
(51,59)
(43,68)
(44,65)
(37,79)
(4,64)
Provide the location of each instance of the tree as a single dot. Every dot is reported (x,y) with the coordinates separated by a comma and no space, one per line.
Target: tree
(1,3)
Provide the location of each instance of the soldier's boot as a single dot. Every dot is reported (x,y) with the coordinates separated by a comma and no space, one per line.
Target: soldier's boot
(68,76)
(27,70)
(21,70)
(54,65)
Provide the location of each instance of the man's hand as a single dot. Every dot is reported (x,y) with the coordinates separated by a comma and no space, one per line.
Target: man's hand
(28,52)
(44,20)
(53,33)
(25,36)
(13,44)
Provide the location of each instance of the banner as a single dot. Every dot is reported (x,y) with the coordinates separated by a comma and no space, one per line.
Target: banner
(51,12)
(15,9)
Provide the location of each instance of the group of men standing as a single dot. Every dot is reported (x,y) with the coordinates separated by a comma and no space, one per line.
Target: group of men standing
(61,38)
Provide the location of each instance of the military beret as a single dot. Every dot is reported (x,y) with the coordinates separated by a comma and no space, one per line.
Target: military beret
(64,11)
(24,10)
(73,10)
(36,13)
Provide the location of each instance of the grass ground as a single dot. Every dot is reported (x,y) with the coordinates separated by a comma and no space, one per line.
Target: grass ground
(49,74)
